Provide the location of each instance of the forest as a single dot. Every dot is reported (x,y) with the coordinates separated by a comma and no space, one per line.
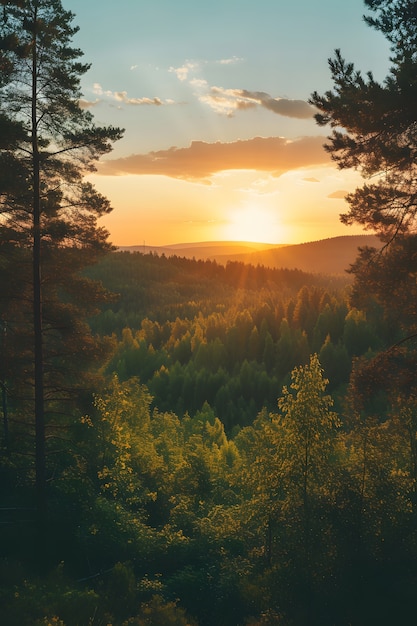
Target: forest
(197,332)
(190,443)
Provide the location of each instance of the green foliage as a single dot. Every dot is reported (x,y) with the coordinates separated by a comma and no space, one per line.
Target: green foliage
(53,601)
(160,613)
(308,424)
(232,349)
(277,521)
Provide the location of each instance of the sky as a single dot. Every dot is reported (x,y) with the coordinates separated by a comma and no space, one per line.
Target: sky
(220,142)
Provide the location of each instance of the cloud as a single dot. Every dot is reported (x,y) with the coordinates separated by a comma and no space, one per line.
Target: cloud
(199,83)
(201,160)
(311,180)
(183,71)
(231,61)
(282,106)
(227,101)
(338,194)
(189,67)
(121,97)
(87,104)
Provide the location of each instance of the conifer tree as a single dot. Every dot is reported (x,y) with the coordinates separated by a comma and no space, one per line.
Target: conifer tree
(49,212)
(375,131)
(374,125)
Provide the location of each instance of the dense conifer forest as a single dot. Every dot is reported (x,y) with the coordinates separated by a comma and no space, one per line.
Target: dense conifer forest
(198,332)
(186,443)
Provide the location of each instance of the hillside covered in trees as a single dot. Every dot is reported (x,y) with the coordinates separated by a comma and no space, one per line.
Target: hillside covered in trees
(326,256)
(198,332)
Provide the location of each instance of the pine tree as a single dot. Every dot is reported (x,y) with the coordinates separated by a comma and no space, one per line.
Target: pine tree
(375,131)
(374,125)
(49,212)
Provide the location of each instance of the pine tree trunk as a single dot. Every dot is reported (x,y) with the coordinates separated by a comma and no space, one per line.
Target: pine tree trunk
(4,389)
(40,454)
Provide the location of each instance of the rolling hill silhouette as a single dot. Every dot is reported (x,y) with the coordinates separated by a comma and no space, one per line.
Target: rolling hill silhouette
(326,256)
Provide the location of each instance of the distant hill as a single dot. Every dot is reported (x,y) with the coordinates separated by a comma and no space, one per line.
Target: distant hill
(326,256)
(205,249)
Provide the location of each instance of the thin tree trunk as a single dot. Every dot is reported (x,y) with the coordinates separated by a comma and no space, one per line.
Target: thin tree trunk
(306,512)
(40,454)
(269,542)
(5,417)
(4,390)
(306,529)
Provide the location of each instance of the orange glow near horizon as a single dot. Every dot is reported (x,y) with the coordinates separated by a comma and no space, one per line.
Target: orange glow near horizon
(253,223)
(231,206)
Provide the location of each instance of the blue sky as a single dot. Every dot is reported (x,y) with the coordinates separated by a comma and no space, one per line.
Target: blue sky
(220,142)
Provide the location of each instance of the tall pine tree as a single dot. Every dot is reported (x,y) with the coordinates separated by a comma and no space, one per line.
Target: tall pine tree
(49,212)
(375,131)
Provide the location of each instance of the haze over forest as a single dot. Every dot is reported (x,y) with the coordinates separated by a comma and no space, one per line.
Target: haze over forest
(334,255)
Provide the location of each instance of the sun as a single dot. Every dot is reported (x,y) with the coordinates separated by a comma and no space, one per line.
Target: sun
(252,223)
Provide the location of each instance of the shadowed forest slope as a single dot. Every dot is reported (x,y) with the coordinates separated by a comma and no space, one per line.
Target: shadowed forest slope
(326,256)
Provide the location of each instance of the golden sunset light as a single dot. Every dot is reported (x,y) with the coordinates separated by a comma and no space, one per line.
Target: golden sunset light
(220,140)
(253,223)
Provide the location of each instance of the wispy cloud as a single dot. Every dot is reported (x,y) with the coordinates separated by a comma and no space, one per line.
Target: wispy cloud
(230,61)
(201,160)
(183,71)
(199,83)
(340,194)
(228,101)
(121,97)
(88,104)
(225,101)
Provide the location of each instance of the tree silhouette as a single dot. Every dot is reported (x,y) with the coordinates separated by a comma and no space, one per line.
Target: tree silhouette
(379,126)
(48,210)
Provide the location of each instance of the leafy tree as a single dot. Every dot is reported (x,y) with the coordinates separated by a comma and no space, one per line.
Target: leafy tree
(288,462)
(48,211)
(308,424)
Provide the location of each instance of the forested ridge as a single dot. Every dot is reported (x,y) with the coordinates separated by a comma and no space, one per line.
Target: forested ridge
(197,331)
(187,443)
